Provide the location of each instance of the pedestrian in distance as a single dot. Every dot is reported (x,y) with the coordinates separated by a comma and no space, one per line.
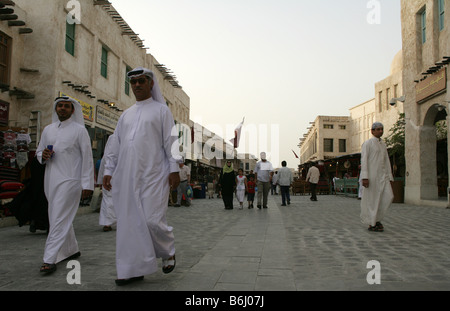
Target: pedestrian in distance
(185,180)
(227,181)
(263,169)
(274,183)
(251,185)
(140,172)
(107,216)
(313,177)
(65,149)
(211,185)
(376,176)
(285,180)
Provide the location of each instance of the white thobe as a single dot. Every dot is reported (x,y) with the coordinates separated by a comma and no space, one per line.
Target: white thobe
(107,214)
(375,166)
(140,169)
(67,173)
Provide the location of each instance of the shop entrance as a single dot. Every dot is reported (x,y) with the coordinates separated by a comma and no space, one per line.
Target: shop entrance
(435,161)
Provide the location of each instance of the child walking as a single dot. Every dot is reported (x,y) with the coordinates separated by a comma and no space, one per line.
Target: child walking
(241,187)
(251,185)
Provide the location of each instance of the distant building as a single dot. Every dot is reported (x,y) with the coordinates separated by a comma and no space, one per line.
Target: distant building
(248,162)
(327,138)
(378,109)
(335,136)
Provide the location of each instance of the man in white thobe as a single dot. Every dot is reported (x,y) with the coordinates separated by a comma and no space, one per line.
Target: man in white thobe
(69,176)
(141,170)
(376,179)
(107,216)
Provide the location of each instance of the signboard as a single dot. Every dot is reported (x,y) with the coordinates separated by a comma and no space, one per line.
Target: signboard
(106,117)
(435,84)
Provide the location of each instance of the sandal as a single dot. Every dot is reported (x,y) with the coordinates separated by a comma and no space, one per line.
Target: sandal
(48,268)
(375,228)
(121,282)
(379,225)
(169,264)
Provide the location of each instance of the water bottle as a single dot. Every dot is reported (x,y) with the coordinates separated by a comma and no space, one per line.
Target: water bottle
(50,147)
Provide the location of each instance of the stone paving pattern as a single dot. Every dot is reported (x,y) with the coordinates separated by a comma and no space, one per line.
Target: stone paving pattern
(306,246)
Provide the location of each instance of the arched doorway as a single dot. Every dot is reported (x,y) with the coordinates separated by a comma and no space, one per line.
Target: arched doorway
(435,160)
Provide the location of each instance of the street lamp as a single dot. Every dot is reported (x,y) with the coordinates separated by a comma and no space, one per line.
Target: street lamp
(394,101)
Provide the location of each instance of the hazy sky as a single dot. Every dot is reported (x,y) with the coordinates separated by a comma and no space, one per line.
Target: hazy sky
(278,63)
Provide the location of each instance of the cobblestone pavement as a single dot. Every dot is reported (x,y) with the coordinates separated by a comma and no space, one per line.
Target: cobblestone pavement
(306,246)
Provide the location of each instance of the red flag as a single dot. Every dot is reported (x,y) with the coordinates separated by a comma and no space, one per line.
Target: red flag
(237,134)
(295,154)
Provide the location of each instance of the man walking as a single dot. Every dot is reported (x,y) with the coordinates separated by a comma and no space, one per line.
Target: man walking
(107,216)
(65,149)
(285,181)
(262,172)
(313,177)
(185,180)
(141,171)
(376,176)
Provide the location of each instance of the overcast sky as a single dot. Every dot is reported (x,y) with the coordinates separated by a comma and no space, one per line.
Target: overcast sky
(278,63)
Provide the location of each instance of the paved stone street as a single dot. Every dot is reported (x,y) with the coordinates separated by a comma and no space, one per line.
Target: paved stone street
(307,246)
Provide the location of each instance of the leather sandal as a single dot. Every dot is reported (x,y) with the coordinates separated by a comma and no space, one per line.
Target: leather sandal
(121,282)
(48,268)
(169,264)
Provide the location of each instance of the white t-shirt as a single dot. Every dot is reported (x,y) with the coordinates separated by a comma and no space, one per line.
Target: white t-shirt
(185,171)
(240,182)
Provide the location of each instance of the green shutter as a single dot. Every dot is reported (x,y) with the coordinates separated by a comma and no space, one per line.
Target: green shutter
(104,63)
(70,38)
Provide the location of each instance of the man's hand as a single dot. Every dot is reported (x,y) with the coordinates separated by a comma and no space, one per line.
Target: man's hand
(47,154)
(86,194)
(107,182)
(365,183)
(174,180)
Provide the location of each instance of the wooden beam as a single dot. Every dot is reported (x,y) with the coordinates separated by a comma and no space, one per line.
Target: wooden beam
(8,17)
(25,30)
(16,23)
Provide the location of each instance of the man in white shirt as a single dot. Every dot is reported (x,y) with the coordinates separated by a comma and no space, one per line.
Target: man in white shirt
(285,181)
(313,177)
(262,173)
(185,179)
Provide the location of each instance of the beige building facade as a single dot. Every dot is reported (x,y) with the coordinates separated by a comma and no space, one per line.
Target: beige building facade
(426,55)
(382,108)
(327,138)
(14,32)
(82,49)
(362,117)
